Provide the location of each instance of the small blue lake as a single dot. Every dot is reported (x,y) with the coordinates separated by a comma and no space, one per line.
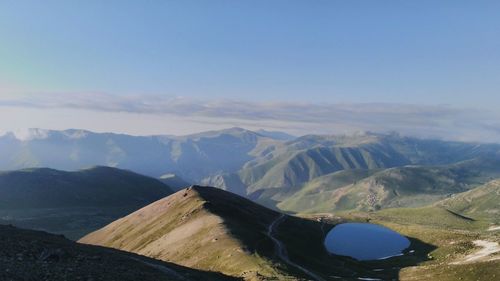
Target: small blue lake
(365,241)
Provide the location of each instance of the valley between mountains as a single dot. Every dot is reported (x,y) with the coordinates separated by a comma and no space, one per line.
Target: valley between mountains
(243,205)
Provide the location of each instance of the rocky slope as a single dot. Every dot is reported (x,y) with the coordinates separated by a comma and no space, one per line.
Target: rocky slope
(198,227)
(35,255)
(211,229)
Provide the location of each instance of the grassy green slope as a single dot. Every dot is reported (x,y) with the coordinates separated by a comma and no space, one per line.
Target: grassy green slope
(480,203)
(317,193)
(308,157)
(409,186)
(451,226)
(452,235)
(295,168)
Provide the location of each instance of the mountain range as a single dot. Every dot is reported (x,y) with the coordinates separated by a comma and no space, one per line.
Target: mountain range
(407,186)
(298,174)
(192,157)
(274,199)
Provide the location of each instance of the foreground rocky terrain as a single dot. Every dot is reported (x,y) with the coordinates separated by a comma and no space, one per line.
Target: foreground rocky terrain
(28,255)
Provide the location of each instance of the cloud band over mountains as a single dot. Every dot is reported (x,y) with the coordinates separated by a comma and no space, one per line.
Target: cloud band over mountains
(438,121)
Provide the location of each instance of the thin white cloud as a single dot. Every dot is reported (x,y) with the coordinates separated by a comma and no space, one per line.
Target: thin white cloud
(160,115)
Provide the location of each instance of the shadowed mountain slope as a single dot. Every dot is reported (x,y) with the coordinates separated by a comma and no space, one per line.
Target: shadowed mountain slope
(94,187)
(73,203)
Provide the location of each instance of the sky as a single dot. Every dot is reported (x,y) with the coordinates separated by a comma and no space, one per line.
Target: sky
(425,68)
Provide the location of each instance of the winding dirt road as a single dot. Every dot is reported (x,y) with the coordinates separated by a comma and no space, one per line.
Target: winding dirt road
(281,249)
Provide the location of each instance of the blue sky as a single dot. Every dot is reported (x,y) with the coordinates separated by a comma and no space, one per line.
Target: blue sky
(399,52)
(336,51)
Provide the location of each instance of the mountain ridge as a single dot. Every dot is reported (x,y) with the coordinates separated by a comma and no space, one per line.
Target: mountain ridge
(208,228)
(73,203)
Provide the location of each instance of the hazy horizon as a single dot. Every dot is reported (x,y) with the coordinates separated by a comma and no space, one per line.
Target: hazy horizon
(426,69)
(184,116)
